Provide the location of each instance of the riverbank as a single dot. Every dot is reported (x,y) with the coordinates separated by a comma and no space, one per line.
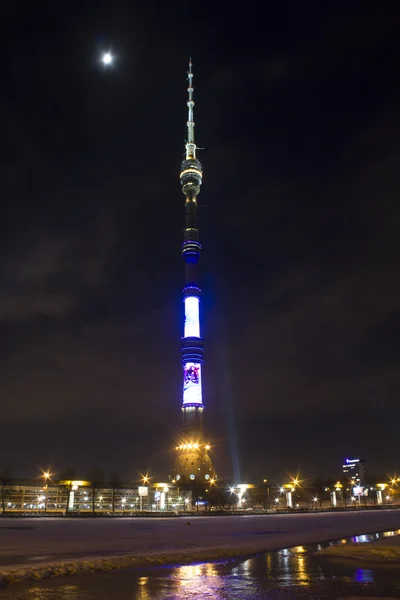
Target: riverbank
(385,551)
(281,575)
(37,549)
(80,566)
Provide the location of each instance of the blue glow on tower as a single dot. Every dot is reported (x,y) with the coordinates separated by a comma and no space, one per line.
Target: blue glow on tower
(192,322)
(192,394)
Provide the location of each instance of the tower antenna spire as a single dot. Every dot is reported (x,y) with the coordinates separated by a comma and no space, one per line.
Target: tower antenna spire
(190,145)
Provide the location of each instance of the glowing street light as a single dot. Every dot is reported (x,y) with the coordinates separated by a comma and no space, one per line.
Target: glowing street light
(211,482)
(46,476)
(40,500)
(143,491)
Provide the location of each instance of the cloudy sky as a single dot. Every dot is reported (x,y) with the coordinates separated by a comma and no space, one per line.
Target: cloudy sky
(297,108)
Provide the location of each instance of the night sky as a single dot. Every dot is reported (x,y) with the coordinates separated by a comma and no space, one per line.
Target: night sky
(297,107)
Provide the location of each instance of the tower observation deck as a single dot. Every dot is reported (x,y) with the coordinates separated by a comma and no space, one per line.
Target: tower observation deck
(192,466)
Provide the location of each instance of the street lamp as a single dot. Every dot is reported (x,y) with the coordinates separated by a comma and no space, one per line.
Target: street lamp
(145,481)
(46,476)
(123,500)
(233,491)
(266,493)
(211,482)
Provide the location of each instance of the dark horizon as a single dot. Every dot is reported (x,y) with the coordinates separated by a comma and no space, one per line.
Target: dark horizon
(298,111)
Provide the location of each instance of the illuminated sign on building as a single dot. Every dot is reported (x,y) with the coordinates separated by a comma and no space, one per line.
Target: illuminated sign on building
(192,383)
(192,324)
(354,468)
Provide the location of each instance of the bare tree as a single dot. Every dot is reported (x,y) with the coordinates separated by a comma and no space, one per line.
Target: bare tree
(115,483)
(96,479)
(5,488)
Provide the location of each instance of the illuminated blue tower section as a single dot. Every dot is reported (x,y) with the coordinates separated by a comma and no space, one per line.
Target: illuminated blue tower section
(192,465)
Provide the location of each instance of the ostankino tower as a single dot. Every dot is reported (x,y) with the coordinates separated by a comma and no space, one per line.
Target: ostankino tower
(192,466)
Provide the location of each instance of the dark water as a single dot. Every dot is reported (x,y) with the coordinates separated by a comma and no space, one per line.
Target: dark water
(287,574)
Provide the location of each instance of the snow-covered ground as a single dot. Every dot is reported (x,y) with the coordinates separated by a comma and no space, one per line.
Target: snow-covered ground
(35,541)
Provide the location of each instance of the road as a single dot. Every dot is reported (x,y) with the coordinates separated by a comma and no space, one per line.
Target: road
(32,541)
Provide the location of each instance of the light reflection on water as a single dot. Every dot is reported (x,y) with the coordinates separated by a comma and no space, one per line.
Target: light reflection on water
(364,576)
(286,574)
(43,592)
(143,592)
(370,537)
(197,581)
(293,567)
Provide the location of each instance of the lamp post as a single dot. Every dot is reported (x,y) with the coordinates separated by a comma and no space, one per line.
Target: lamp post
(145,480)
(266,494)
(212,482)
(232,491)
(40,499)
(46,476)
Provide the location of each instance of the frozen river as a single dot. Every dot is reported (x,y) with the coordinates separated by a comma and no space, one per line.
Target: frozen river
(287,574)
(33,541)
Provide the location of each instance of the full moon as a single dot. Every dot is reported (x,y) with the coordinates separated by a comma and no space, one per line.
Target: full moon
(107,58)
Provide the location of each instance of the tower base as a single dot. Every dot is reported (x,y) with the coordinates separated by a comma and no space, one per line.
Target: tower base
(193,466)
